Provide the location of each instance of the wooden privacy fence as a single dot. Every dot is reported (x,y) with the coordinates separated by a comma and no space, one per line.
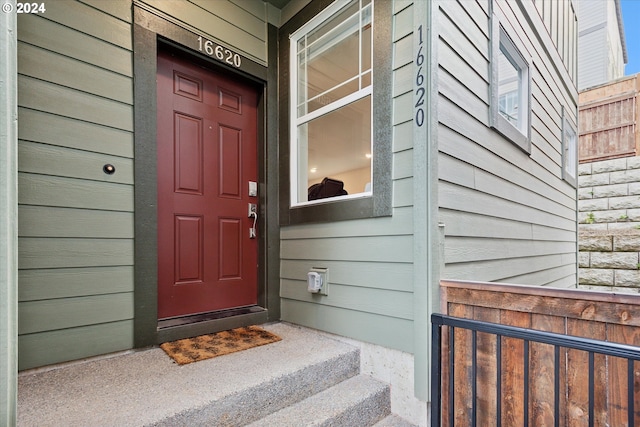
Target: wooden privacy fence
(608,120)
(504,379)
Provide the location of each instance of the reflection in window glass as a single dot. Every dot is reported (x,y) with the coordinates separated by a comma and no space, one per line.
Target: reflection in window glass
(332,95)
(508,89)
(570,151)
(336,145)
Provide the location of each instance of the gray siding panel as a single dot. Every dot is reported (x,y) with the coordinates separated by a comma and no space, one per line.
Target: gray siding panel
(403,193)
(75,93)
(559,20)
(470,200)
(508,216)
(514,270)
(473,51)
(470,224)
(402,52)
(472,249)
(403,80)
(403,136)
(498,155)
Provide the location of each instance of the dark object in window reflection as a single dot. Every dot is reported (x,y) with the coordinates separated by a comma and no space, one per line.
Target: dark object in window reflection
(327,188)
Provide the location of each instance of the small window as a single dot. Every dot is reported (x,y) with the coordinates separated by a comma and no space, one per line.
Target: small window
(510,90)
(331,105)
(569,151)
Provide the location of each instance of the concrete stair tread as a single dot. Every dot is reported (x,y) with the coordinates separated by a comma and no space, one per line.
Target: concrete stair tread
(360,401)
(148,388)
(393,421)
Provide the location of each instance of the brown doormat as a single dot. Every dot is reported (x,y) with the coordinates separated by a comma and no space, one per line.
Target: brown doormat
(207,346)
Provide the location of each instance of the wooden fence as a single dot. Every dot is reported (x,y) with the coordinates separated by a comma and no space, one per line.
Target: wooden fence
(595,315)
(608,118)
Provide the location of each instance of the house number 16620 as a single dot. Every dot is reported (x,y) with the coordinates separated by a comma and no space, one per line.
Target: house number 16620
(420,90)
(218,52)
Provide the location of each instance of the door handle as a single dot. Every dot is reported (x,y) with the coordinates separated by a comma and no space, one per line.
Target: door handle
(253,213)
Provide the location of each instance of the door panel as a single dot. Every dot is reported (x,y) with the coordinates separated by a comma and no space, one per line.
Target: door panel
(207,153)
(230,251)
(230,162)
(189,249)
(189,155)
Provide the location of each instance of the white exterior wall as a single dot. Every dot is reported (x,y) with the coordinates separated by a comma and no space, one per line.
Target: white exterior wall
(600,48)
(614,44)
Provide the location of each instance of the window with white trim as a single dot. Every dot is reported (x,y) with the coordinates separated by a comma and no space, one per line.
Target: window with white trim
(569,151)
(510,89)
(331,107)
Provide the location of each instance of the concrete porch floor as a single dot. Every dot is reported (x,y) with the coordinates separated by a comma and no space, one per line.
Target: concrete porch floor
(146,387)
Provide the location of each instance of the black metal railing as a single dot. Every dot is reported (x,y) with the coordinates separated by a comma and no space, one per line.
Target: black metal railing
(558,341)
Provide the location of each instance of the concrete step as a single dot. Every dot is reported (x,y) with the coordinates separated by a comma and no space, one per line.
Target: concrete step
(393,421)
(146,388)
(359,401)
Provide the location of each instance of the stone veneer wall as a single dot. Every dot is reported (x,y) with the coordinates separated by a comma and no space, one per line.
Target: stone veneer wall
(609,225)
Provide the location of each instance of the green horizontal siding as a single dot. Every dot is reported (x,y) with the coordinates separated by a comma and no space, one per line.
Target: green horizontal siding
(75,343)
(44,96)
(72,163)
(36,252)
(47,221)
(88,20)
(372,301)
(117,9)
(75,94)
(376,249)
(70,72)
(66,41)
(369,261)
(70,192)
(44,284)
(53,314)
(73,133)
(381,330)
(223,21)
(375,275)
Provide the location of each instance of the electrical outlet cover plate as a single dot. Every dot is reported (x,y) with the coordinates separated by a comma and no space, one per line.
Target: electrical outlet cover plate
(324,272)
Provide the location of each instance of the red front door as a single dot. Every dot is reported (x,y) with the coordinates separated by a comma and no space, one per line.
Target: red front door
(207,155)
